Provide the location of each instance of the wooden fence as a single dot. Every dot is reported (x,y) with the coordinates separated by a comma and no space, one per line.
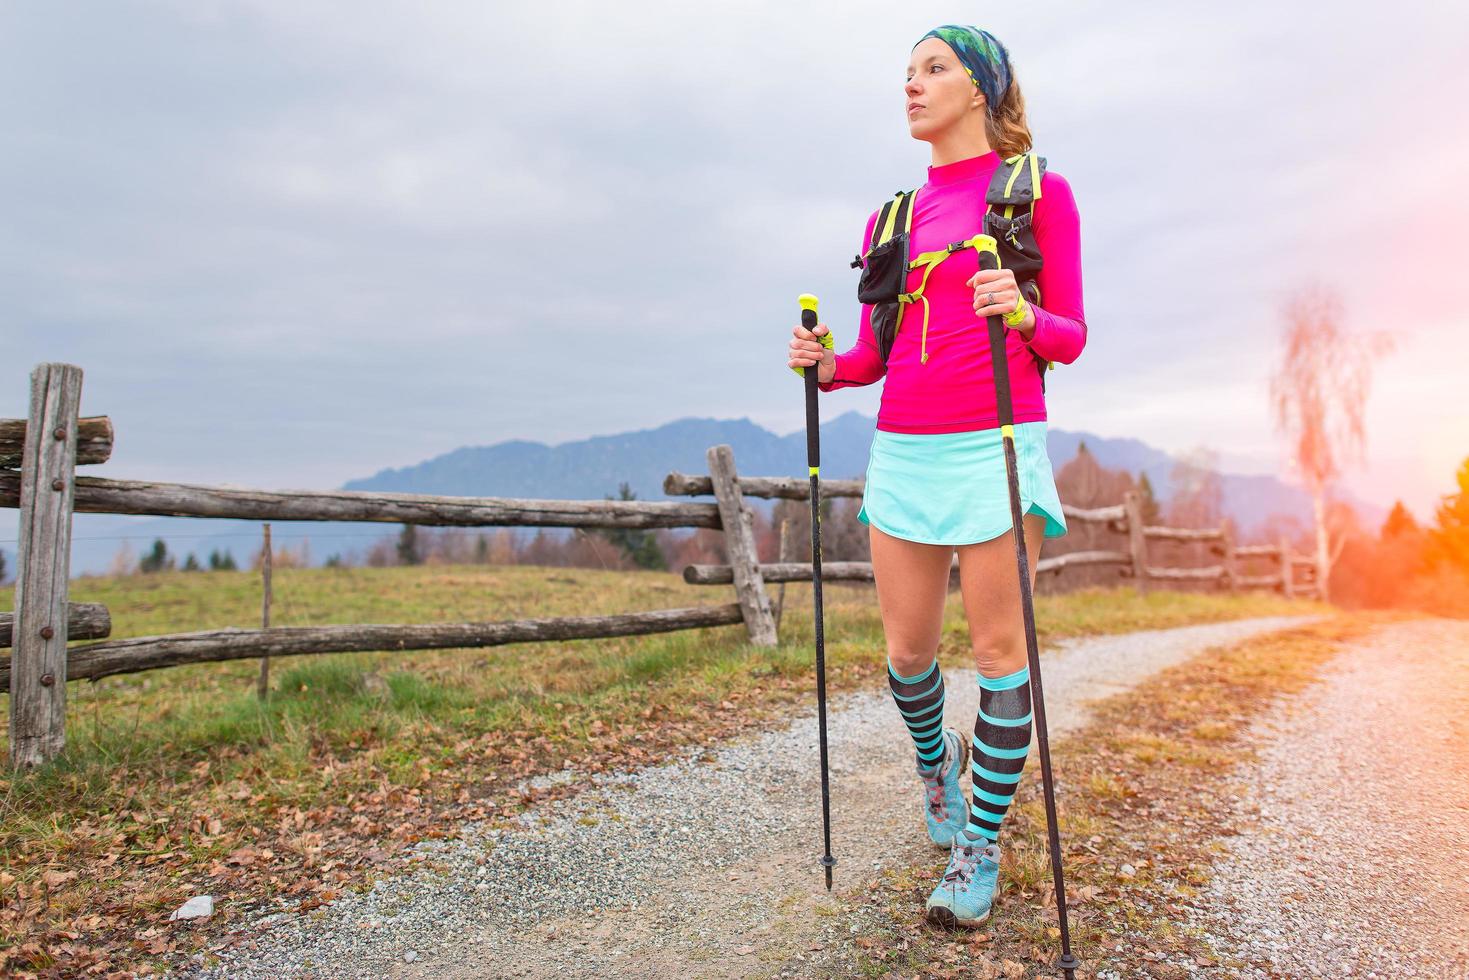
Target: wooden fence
(54,440)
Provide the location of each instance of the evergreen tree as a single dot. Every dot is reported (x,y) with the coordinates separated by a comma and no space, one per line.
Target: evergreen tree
(1148,500)
(639,544)
(333,561)
(1399,521)
(2,565)
(482,550)
(214,559)
(1451,536)
(227,562)
(156,560)
(408,546)
(191,564)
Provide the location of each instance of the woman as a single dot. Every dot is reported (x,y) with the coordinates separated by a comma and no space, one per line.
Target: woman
(936,478)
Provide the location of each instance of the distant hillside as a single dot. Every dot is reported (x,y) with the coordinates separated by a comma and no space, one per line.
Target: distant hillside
(592,468)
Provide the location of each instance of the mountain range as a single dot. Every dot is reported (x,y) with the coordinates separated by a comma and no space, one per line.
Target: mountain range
(593,468)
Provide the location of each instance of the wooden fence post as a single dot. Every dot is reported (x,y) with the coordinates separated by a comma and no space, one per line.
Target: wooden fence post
(783,556)
(1287,575)
(43,566)
(1231,574)
(1137,542)
(739,542)
(262,683)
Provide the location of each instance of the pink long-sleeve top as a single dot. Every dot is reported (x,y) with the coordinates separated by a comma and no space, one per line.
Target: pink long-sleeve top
(955,391)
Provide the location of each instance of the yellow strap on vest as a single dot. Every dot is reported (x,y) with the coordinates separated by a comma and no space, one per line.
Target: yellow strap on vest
(931,261)
(887,230)
(1018,161)
(1014,173)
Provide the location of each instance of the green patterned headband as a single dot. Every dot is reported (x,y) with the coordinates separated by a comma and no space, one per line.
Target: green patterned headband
(982,55)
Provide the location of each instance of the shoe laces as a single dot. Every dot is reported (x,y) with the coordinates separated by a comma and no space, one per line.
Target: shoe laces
(964,861)
(933,784)
(935,789)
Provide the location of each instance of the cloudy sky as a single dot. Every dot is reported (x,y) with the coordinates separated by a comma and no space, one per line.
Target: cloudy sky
(292,243)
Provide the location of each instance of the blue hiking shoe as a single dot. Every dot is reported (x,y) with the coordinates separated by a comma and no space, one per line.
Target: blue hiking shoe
(944,807)
(965,893)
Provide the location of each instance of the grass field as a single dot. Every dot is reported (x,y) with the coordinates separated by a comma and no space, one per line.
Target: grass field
(180,781)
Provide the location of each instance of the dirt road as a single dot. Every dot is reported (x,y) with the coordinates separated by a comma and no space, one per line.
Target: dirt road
(704,867)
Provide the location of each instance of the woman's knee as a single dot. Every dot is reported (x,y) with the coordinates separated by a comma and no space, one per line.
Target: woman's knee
(998,653)
(909,661)
(912,585)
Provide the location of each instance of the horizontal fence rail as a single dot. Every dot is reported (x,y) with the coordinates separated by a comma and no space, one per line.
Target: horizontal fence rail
(97,495)
(1124,518)
(141,653)
(84,621)
(678,484)
(93,442)
(1184,533)
(861,571)
(47,491)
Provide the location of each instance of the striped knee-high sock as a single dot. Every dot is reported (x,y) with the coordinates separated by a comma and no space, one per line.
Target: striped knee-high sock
(1001,742)
(920,698)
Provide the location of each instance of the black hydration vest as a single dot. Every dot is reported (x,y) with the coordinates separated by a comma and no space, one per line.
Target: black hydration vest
(1015,185)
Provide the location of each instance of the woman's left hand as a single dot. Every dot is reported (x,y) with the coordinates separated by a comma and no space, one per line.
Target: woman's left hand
(996,294)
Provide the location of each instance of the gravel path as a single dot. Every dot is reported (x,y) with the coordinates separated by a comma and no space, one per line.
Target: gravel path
(691,869)
(1358,865)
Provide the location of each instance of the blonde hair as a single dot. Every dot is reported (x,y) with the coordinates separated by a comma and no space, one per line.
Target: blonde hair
(1005,126)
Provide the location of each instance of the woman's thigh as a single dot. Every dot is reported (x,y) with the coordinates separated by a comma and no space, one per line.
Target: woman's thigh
(990,584)
(912,583)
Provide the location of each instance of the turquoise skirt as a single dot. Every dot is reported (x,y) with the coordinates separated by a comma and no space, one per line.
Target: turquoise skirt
(950,487)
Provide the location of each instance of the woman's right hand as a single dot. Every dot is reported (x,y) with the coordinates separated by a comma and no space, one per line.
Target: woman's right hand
(807,350)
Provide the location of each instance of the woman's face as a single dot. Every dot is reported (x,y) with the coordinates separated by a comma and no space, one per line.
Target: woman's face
(939,91)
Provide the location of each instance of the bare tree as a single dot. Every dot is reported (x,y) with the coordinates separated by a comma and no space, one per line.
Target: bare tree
(1082,481)
(502,550)
(1197,497)
(1318,395)
(283,556)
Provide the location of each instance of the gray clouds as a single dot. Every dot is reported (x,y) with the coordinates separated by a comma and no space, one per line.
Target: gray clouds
(393,230)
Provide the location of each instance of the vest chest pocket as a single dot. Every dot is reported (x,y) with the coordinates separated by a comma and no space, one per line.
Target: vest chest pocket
(885,273)
(1015,239)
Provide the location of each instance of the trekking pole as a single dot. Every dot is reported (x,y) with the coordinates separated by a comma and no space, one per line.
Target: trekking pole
(989,259)
(813,463)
